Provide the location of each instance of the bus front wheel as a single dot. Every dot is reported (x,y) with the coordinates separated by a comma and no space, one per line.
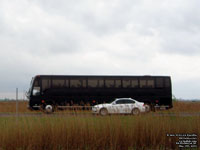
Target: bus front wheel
(49,109)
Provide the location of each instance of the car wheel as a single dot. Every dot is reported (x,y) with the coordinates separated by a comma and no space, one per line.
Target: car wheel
(135,111)
(103,112)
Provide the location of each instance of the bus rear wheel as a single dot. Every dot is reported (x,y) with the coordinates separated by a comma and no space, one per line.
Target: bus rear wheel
(147,108)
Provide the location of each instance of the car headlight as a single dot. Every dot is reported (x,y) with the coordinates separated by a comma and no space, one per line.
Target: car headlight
(94,108)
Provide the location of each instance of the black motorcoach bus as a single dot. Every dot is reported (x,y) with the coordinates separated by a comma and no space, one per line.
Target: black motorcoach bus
(83,90)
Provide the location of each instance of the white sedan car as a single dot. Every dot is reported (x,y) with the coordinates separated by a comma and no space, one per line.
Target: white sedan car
(120,106)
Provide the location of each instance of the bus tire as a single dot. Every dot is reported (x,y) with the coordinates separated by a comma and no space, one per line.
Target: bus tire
(49,109)
(147,108)
(153,108)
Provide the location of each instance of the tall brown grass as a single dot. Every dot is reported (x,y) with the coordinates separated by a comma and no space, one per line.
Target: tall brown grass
(89,132)
(10,106)
(178,106)
(187,106)
(94,132)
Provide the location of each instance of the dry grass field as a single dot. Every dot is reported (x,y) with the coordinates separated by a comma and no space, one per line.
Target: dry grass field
(6,106)
(181,106)
(87,132)
(178,106)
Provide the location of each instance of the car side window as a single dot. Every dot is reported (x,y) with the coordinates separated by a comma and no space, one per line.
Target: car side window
(125,101)
(120,102)
(130,102)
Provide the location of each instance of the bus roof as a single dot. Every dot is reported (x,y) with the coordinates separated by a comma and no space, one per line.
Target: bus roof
(120,76)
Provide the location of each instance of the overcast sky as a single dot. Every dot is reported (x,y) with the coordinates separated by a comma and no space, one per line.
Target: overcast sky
(100,37)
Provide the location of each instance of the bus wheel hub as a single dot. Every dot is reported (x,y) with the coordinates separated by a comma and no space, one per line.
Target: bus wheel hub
(49,109)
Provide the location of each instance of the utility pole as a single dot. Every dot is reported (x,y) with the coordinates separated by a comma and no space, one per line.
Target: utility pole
(16,101)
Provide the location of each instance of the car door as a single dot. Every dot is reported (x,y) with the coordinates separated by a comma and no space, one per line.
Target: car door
(129,105)
(117,107)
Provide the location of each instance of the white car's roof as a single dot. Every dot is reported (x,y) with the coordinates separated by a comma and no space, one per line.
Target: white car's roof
(124,99)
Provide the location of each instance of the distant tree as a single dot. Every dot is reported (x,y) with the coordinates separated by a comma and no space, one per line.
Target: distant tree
(174,97)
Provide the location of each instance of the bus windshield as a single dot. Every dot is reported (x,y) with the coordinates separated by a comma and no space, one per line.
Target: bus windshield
(29,91)
(36,87)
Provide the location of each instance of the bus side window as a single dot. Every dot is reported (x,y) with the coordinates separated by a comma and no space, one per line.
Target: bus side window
(36,83)
(58,83)
(147,83)
(143,83)
(92,83)
(101,83)
(134,83)
(126,83)
(167,82)
(67,83)
(159,82)
(45,84)
(150,83)
(109,83)
(84,83)
(118,84)
(75,83)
